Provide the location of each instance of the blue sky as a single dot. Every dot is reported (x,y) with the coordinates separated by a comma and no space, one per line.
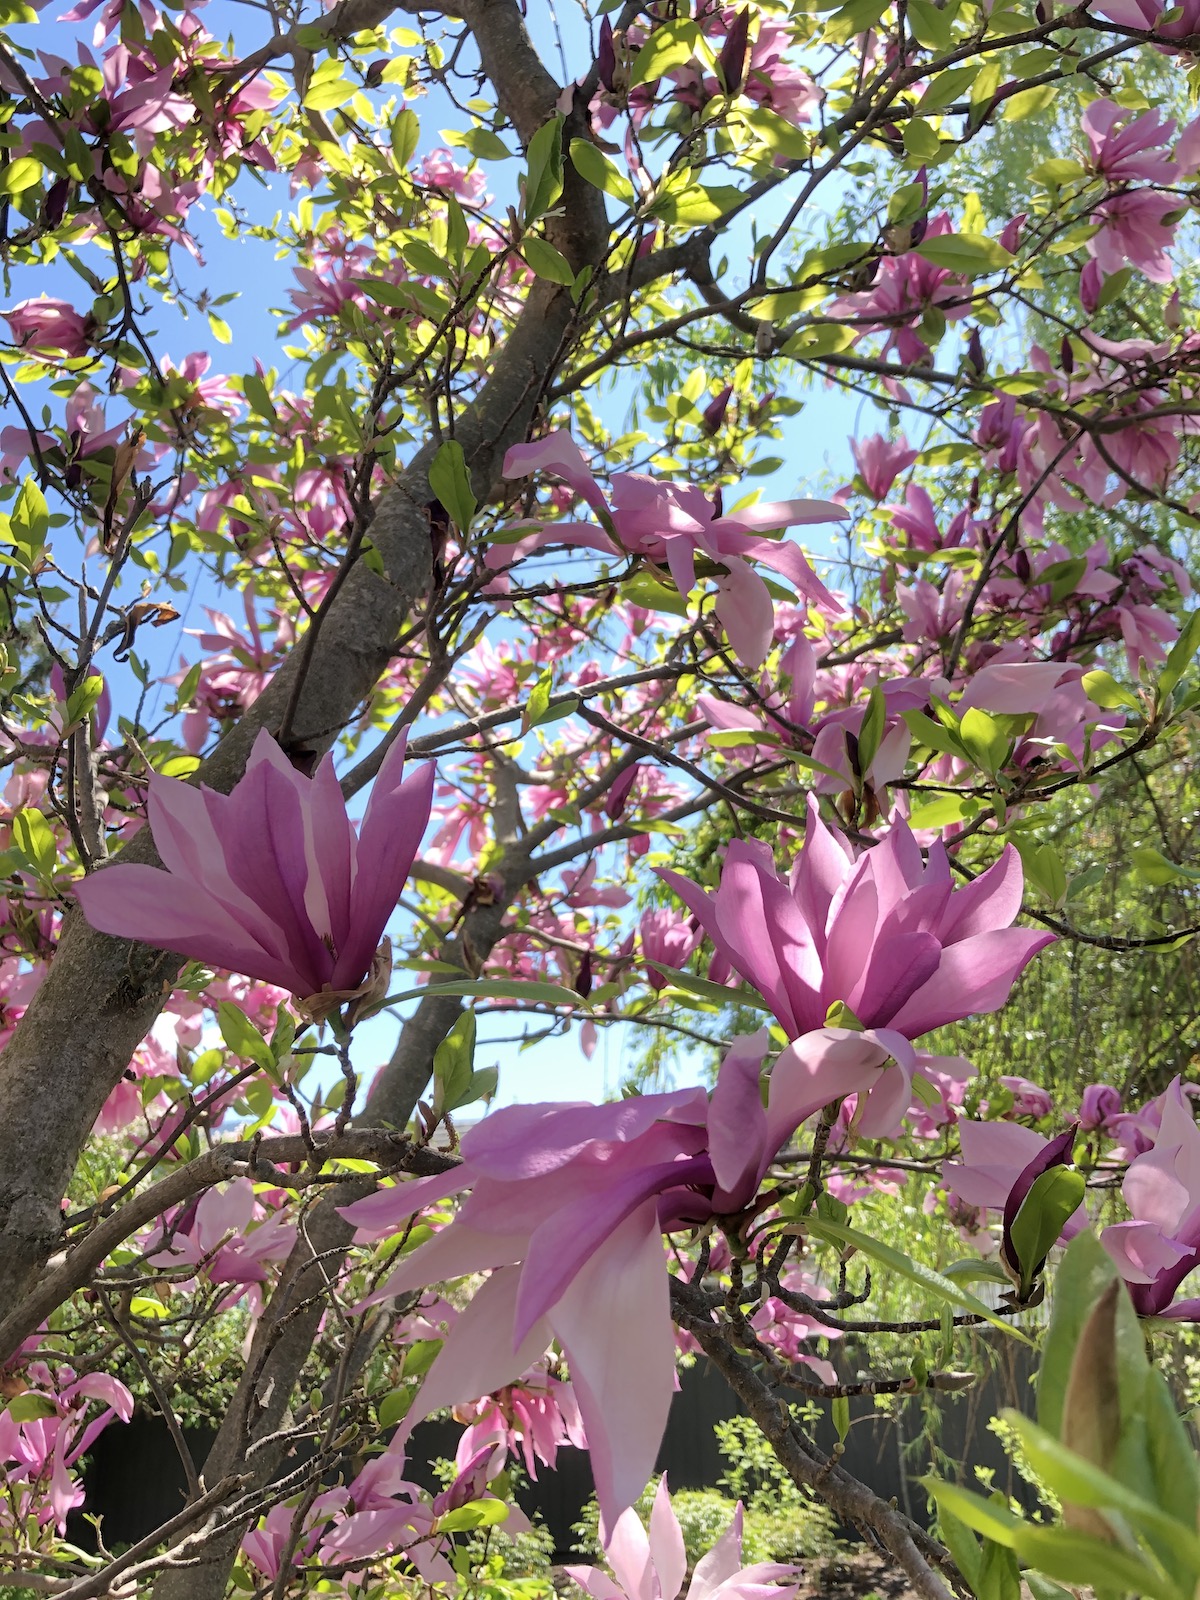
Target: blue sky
(814,450)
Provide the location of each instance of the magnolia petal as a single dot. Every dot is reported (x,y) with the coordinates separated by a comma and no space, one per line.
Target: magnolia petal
(623,1363)
(667,1553)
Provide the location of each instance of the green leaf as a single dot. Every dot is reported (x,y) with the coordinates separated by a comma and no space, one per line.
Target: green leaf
(696,205)
(484,145)
(83,698)
(20,175)
(1078,1481)
(943,88)
(841,1416)
(962,1545)
(870,731)
(1103,690)
(915,1271)
(453,1065)
(1053,1198)
(1079,1559)
(393,1408)
(1042,1588)
(328,88)
(479,1514)
(984,740)
(920,140)
(546,261)
(532,993)
(672,45)
(451,482)
(404,132)
(145,1305)
(242,1037)
(30,520)
(988,1517)
(34,838)
(258,397)
(594,167)
(968,254)
(538,703)
(31,1407)
(1083,1275)
(544,178)
(945,811)
(931,26)
(707,990)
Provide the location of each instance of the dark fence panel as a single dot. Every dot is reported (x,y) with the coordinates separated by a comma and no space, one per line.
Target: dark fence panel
(135,1480)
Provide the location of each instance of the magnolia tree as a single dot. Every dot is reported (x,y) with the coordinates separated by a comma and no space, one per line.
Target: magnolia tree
(470,502)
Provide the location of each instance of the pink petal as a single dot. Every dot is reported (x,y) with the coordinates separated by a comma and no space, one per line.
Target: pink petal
(136,902)
(628,1553)
(666,1544)
(737,1123)
(974,976)
(746,612)
(623,1363)
(395,820)
(478,1356)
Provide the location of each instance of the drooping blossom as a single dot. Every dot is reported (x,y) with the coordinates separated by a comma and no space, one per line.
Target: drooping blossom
(270,879)
(669,525)
(885,933)
(533,1417)
(566,1209)
(651,1565)
(37,1485)
(1160,1245)
(46,324)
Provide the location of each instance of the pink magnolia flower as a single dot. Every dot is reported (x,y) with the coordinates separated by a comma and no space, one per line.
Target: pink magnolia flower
(270,879)
(884,932)
(1125,147)
(440,171)
(566,1208)
(667,938)
(880,462)
(653,1567)
(534,1417)
(1133,229)
(1157,1249)
(1029,1099)
(1100,1104)
(905,286)
(36,1457)
(668,524)
(46,324)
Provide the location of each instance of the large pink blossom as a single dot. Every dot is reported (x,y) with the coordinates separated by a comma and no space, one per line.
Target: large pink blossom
(270,879)
(566,1209)
(884,932)
(670,524)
